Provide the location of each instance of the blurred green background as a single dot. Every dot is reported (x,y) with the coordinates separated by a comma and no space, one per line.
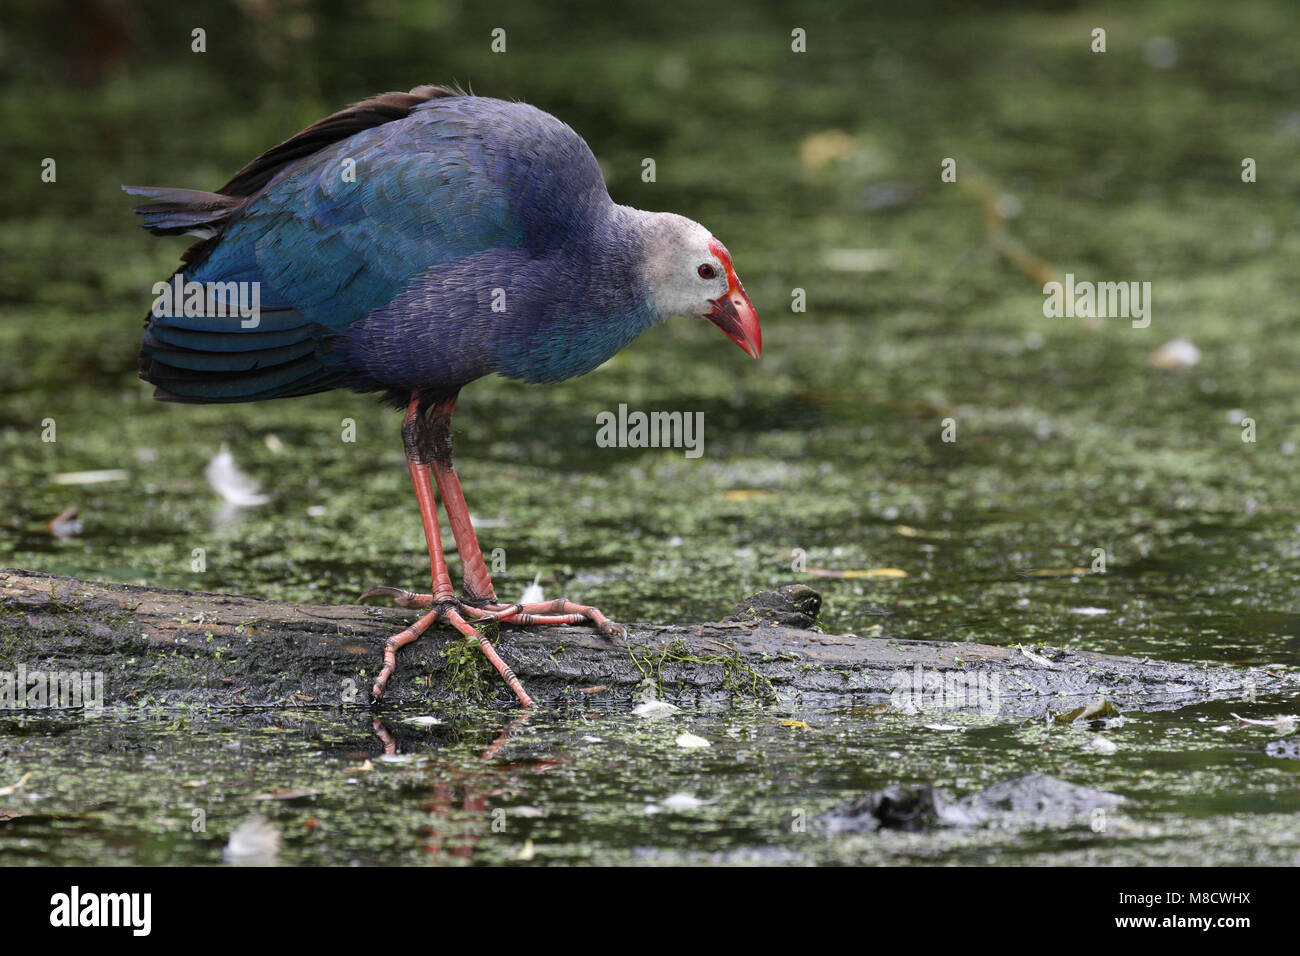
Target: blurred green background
(820,170)
(824,463)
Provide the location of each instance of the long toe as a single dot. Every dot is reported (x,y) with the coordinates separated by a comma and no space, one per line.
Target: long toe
(401,597)
(559,611)
(395,644)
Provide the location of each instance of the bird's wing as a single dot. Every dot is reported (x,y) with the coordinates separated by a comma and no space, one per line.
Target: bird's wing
(343,231)
(337,234)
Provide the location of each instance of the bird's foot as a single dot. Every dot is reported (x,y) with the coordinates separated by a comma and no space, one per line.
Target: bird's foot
(450,611)
(459,612)
(541,613)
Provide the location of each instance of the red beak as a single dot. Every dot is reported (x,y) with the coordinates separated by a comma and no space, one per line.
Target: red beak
(733,312)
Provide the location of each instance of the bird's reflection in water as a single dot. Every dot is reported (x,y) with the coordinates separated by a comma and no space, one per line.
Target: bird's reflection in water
(459,800)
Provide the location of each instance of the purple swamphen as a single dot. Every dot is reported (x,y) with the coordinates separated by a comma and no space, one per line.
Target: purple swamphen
(412,244)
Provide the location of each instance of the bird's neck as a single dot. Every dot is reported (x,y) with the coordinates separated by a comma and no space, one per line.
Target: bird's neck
(621,243)
(594,306)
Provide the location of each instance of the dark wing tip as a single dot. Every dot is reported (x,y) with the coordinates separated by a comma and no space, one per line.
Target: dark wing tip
(374,111)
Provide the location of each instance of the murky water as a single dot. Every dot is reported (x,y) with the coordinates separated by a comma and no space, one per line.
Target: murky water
(829,453)
(613,788)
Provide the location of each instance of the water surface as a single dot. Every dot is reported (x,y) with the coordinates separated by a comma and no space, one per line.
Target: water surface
(821,173)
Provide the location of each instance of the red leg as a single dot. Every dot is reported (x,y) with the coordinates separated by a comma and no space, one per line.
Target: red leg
(428,452)
(423,482)
(475,580)
(442,587)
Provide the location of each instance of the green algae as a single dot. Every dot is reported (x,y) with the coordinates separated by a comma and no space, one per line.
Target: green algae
(468,670)
(1069,440)
(741,680)
(595,786)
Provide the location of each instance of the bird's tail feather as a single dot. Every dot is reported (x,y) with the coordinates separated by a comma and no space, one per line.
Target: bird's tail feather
(173,212)
(193,361)
(204,358)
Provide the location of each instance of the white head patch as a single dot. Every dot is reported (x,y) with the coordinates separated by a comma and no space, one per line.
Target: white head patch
(682,273)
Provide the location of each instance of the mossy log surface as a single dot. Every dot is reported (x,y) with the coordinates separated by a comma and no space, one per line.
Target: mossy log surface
(168,647)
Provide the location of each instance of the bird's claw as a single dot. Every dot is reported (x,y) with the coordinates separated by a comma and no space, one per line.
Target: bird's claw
(463,613)
(611,630)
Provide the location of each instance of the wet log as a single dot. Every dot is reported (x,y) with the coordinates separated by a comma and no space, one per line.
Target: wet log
(158,647)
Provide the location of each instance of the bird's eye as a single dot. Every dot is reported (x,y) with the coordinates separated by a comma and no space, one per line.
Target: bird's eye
(706,271)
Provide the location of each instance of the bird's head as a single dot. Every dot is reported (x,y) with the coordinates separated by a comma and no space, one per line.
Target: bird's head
(689,272)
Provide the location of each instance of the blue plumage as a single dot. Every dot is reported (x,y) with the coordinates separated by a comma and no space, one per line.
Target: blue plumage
(462,237)
(412,244)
